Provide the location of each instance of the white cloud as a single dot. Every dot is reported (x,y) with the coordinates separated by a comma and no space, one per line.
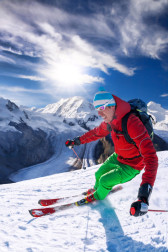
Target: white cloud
(164,95)
(139,35)
(24,96)
(18,89)
(9,49)
(29,77)
(44,37)
(68,65)
(6,59)
(66,45)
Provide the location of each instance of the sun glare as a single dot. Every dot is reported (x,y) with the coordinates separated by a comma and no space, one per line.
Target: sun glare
(69,75)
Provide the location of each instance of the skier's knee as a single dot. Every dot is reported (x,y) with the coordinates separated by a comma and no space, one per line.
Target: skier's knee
(105,182)
(102,191)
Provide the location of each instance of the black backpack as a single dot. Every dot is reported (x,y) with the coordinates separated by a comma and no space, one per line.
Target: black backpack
(139,108)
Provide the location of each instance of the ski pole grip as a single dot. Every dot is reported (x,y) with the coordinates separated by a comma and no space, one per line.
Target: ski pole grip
(132,210)
(70,144)
(67,142)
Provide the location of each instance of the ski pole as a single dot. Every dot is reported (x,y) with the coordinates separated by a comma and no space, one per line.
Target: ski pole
(78,158)
(161,211)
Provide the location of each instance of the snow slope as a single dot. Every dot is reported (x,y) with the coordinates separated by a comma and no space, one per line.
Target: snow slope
(103,226)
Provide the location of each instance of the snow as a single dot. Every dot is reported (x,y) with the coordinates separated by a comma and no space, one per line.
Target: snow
(74,107)
(60,161)
(101,226)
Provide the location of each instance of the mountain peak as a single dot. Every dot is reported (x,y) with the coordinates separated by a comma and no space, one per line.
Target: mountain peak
(74,107)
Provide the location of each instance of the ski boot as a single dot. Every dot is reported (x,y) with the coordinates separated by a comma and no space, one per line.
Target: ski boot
(89,191)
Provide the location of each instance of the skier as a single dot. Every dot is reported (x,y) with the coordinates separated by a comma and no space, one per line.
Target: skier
(128,159)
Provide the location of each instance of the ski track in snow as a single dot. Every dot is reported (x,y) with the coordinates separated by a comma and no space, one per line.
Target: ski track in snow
(103,226)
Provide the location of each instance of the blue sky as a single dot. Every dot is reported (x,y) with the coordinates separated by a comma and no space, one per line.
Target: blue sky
(58,49)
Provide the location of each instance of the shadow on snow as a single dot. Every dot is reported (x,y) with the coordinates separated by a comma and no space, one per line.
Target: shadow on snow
(115,239)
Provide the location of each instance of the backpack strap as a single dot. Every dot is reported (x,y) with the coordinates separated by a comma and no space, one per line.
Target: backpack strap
(109,127)
(124,128)
(125,132)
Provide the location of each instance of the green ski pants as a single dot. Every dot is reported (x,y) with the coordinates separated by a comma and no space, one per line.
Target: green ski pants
(111,173)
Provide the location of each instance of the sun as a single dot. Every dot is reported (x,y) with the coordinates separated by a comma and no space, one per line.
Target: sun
(69,75)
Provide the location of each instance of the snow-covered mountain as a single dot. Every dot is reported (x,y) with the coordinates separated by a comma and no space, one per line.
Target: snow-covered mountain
(22,142)
(34,138)
(75,110)
(75,107)
(9,111)
(160,116)
(104,226)
(37,136)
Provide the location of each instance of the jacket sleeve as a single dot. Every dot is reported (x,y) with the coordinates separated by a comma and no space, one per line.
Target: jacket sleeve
(94,134)
(139,134)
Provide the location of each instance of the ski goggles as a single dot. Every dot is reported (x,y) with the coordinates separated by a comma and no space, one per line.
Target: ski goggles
(105,105)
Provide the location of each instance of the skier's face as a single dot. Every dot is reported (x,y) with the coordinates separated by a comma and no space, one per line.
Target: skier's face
(107,114)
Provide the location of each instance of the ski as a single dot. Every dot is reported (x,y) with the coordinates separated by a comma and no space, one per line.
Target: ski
(49,202)
(50,210)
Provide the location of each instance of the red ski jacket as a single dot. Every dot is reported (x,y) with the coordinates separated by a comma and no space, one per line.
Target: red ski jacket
(143,155)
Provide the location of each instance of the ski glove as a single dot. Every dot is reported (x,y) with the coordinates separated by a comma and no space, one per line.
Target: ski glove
(71,143)
(140,207)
